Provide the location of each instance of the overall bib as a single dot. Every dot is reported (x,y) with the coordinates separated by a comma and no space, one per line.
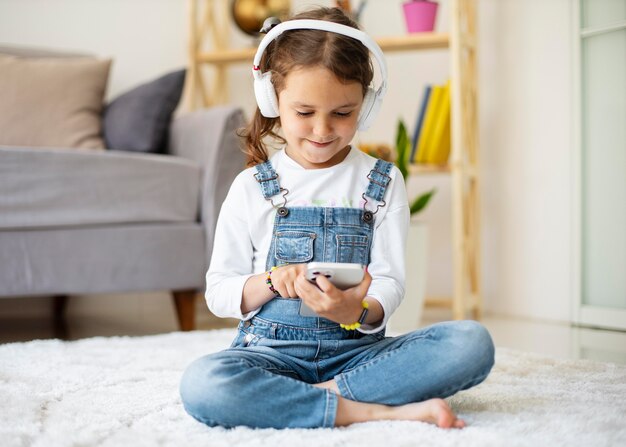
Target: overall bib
(265,378)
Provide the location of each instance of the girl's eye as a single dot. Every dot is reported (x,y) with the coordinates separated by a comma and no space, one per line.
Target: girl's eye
(337,114)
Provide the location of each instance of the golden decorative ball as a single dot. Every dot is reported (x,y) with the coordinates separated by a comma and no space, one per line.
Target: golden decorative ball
(250,14)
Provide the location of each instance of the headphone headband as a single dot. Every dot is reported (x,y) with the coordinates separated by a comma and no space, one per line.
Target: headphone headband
(323,25)
(265,93)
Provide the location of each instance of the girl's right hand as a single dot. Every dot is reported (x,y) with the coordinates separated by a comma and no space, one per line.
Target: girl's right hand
(284,279)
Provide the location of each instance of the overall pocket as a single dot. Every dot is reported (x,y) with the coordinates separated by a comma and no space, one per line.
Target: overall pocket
(353,248)
(294,247)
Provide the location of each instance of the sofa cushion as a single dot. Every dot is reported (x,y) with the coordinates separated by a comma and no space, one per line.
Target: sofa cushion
(28,51)
(52,101)
(65,187)
(139,119)
(108,259)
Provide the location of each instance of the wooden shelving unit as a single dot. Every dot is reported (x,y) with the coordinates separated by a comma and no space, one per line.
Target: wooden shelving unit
(387,44)
(463,163)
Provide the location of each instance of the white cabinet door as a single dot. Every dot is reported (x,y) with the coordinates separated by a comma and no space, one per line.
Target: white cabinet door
(600,286)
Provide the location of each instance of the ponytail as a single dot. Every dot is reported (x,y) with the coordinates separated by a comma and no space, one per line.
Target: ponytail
(254,134)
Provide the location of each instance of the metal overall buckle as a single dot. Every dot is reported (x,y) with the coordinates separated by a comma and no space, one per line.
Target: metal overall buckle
(368,216)
(280,209)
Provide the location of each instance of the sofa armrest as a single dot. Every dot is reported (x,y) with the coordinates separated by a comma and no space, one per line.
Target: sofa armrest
(209,138)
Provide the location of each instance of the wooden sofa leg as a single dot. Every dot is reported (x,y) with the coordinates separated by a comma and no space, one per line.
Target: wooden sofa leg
(59,306)
(185,301)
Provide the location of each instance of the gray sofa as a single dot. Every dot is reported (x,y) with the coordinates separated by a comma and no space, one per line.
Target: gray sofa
(93,221)
(79,221)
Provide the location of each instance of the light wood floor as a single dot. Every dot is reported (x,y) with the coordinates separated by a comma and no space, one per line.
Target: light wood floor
(148,314)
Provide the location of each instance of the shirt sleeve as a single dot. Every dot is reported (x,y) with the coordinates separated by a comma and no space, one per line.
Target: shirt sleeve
(231,260)
(387,260)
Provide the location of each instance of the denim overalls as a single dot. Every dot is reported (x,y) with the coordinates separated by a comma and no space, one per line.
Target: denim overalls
(264,379)
(316,234)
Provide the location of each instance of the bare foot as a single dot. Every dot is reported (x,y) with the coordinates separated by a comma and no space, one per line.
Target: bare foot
(434,411)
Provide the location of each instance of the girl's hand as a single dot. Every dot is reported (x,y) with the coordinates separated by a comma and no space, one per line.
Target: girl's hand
(284,278)
(340,306)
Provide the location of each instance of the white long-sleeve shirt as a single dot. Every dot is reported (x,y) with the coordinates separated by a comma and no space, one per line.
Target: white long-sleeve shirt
(244,228)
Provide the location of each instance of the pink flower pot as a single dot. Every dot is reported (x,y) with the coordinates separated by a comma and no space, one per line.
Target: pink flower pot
(420,15)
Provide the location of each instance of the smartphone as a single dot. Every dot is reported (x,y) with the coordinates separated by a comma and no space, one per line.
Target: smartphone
(342,275)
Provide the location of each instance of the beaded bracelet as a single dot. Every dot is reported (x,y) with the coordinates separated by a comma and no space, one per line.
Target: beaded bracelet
(353,326)
(268,281)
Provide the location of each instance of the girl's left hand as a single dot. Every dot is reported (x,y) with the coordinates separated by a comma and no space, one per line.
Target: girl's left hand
(340,306)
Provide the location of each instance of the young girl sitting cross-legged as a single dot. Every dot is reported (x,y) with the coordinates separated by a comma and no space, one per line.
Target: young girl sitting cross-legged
(320,199)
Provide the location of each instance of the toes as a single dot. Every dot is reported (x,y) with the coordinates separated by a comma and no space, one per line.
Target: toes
(445,416)
(459,423)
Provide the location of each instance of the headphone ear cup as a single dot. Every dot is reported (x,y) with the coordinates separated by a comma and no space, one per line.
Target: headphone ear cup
(369,109)
(266,95)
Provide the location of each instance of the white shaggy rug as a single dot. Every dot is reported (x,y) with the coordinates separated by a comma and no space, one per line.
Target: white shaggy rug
(124,391)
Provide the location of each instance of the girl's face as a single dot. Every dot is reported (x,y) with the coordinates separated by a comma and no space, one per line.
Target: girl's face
(318,116)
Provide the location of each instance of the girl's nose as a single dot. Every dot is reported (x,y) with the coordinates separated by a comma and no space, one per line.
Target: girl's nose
(322,127)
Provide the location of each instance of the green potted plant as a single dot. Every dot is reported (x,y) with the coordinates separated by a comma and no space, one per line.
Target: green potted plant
(407,317)
(403,150)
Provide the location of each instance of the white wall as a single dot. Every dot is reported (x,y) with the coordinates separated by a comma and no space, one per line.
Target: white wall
(525,99)
(145,38)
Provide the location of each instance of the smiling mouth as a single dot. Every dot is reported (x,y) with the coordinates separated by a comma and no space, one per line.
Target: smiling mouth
(316,144)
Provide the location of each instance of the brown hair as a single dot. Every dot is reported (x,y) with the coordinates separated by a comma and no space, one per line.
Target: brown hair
(347,58)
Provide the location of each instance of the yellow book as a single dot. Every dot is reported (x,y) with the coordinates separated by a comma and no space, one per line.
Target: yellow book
(423,145)
(443,152)
(440,148)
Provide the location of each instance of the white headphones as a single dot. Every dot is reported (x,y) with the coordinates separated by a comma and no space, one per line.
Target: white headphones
(264,89)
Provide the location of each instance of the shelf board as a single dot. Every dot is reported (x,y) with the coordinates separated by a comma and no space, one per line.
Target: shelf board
(408,42)
(416,41)
(429,169)
(230,56)
(438,302)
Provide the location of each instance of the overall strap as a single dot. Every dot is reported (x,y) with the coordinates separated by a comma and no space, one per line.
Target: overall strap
(268,179)
(379,179)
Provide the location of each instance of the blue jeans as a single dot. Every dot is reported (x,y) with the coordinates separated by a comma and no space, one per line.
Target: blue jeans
(265,379)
